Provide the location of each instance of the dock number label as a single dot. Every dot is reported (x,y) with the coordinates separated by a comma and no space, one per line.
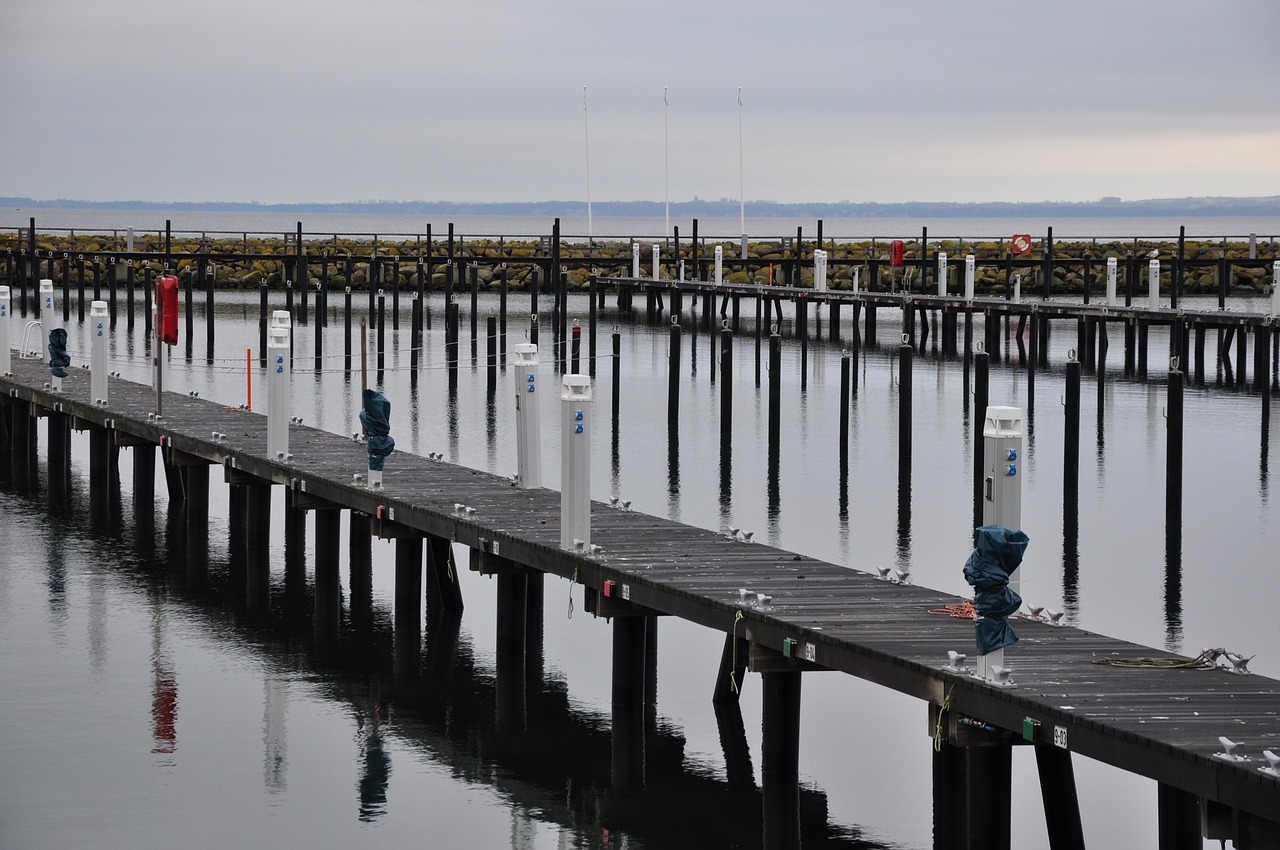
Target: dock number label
(810,652)
(1060,737)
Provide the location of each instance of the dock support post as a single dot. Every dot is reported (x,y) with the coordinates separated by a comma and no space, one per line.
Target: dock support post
(759,334)
(443,590)
(1061,802)
(869,336)
(59,440)
(1199,354)
(1178,819)
(99,456)
(236,501)
(780,758)
(360,567)
(197,509)
(990,780)
(950,783)
(408,610)
(512,628)
(627,760)
(328,603)
(295,551)
(1130,337)
(257,538)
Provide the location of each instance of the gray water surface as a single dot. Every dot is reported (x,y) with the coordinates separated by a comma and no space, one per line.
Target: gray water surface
(138,711)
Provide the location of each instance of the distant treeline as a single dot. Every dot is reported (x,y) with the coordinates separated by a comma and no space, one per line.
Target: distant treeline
(1170,207)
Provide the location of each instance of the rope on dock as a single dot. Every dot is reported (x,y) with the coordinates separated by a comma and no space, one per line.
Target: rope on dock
(963,610)
(1206,660)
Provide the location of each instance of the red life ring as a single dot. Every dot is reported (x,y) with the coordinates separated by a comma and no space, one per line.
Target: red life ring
(1021,243)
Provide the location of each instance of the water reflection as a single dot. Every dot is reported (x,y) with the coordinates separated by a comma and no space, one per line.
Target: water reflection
(275,739)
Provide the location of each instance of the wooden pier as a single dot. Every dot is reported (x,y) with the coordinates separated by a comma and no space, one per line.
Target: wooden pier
(783,614)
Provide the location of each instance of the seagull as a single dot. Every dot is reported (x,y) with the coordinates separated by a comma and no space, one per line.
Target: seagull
(1153,253)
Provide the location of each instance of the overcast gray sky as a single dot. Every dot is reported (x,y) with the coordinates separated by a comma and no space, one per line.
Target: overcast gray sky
(262,100)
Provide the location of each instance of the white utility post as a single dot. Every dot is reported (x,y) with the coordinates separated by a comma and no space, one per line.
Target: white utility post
(1153,284)
(719,264)
(656,261)
(1275,289)
(819,270)
(942,273)
(98,314)
(1017,289)
(856,279)
(1112,274)
(970,277)
(50,321)
(278,373)
(1002,494)
(6,359)
(635,259)
(528,431)
(575,462)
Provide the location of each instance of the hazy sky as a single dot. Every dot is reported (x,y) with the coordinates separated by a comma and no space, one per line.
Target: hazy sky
(483,101)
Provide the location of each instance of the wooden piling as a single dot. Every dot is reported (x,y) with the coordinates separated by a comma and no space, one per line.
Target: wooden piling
(802,330)
(981,366)
(1173,456)
(726,392)
(491,352)
(673,378)
(1071,442)
(905,357)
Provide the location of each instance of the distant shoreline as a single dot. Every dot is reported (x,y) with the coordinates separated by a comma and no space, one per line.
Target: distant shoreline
(1106,207)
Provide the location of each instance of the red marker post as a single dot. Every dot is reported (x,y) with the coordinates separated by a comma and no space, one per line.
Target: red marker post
(166,327)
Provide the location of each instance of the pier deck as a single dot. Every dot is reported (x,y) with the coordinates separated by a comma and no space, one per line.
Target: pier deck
(1159,723)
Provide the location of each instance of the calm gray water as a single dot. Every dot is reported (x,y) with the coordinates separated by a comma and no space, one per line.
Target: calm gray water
(138,713)
(603,227)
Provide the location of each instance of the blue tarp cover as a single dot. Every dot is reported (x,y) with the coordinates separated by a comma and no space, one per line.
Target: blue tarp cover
(376,420)
(998,552)
(58,359)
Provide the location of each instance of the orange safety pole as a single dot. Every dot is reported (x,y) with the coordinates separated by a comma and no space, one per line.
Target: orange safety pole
(248,376)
